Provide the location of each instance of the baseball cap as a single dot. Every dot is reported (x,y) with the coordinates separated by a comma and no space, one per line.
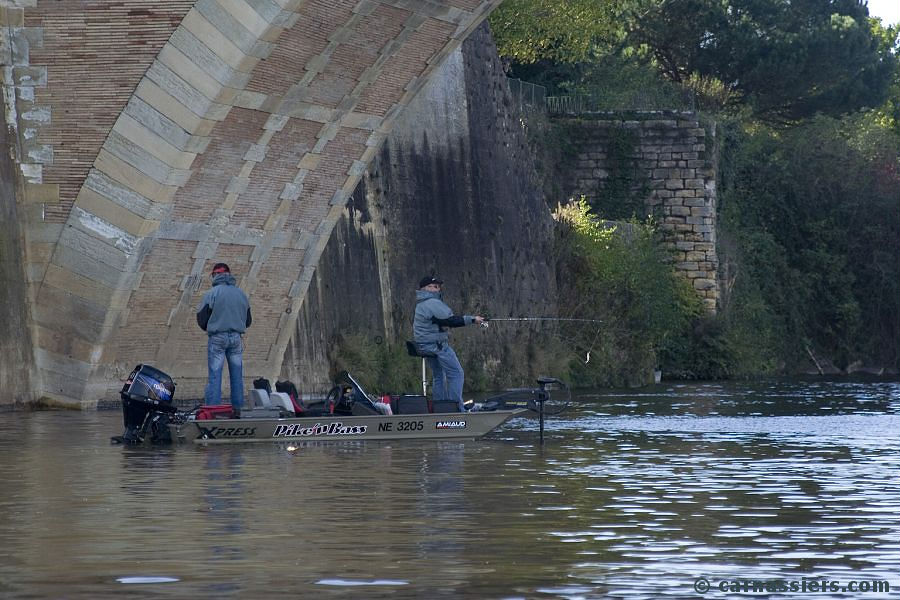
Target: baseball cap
(428,279)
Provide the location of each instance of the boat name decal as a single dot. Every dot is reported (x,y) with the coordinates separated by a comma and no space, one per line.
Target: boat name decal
(302,430)
(226,432)
(450,425)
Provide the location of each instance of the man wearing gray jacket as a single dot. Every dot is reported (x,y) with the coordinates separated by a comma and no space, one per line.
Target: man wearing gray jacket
(430,324)
(224,314)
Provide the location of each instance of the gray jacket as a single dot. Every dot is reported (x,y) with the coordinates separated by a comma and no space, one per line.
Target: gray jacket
(433,318)
(225,308)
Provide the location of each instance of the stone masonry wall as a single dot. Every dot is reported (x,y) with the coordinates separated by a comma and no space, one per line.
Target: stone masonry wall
(675,154)
(15,343)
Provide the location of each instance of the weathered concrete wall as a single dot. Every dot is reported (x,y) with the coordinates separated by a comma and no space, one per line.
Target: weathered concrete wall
(676,157)
(452,191)
(157,137)
(345,296)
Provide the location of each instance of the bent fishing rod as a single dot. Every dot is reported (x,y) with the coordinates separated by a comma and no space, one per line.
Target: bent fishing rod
(492,319)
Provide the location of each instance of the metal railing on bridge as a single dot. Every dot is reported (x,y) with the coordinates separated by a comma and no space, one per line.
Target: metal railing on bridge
(530,96)
(527,95)
(585,103)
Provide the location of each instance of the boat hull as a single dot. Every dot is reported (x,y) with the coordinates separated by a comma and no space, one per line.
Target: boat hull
(436,426)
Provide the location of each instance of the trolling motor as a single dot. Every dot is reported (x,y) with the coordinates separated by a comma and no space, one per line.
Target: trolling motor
(147,406)
(537,399)
(542,397)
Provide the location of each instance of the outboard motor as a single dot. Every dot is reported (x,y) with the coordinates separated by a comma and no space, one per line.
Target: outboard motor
(147,406)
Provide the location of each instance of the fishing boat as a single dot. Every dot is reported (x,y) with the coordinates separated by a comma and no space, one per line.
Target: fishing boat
(334,428)
(346,413)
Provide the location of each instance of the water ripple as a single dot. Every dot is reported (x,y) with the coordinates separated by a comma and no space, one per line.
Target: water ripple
(634,495)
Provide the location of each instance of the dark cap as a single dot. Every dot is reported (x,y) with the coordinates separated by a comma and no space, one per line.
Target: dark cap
(429,279)
(220,268)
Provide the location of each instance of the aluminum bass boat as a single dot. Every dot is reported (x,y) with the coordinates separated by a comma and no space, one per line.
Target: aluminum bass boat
(347,413)
(342,428)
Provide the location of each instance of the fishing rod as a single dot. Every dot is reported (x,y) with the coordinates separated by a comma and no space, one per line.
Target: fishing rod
(486,319)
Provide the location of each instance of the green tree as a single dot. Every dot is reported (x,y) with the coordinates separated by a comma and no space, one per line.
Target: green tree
(809,216)
(550,30)
(888,114)
(815,214)
(785,59)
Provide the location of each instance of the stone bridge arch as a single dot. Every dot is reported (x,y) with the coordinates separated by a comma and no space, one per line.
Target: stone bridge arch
(153,139)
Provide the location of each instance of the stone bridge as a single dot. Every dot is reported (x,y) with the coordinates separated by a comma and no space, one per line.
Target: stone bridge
(148,139)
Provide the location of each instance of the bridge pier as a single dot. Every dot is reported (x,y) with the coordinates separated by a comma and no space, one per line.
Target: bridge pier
(154,142)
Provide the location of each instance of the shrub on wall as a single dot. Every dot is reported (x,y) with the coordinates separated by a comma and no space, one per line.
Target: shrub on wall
(621,275)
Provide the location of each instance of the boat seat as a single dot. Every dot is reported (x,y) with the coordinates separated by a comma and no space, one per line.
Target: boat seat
(261,406)
(281,401)
(413,349)
(259,398)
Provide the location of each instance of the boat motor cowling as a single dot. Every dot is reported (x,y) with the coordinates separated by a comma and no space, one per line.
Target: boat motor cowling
(147,402)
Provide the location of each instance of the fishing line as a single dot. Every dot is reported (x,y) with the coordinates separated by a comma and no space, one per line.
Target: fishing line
(587,357)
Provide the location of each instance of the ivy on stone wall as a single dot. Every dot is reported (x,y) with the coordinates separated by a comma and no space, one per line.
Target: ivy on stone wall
(624,192)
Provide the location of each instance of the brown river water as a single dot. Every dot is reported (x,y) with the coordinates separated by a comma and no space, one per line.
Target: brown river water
(635,494)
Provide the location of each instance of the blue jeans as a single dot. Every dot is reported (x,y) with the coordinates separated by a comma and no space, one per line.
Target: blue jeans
(447,372)
(222,346)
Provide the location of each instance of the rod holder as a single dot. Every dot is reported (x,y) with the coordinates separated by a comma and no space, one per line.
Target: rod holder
(424,379)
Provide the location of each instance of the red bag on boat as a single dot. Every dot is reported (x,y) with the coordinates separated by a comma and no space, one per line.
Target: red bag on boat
(215,411)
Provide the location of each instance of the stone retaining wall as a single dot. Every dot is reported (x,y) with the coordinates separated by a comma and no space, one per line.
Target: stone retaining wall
(675,157)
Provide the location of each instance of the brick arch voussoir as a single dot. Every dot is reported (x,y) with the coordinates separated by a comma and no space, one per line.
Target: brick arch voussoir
(241,142)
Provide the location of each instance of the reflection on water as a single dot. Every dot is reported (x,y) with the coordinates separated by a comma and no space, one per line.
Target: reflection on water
(635,494)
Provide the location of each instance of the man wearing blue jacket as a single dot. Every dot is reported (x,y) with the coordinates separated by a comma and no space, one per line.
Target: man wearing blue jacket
(224,314)
(430,324)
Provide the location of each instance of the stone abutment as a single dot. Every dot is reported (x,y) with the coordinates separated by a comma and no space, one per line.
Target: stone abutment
(671,167)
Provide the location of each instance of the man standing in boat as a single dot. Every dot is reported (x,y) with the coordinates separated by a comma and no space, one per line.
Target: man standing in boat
(432,320)
(224,314)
